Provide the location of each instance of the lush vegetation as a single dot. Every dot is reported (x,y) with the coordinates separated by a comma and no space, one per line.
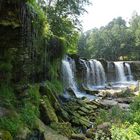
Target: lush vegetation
(36,34)
(115,41)
(124,124)
(40,32)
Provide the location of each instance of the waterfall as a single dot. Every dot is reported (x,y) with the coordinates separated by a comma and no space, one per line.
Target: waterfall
(68,74)
(120,73)
(95,74)
(100,73)
(129,76)
(87,74)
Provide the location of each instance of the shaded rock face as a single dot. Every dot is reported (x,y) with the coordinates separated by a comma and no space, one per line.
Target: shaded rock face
(10,23)
(110,71)
(135,67)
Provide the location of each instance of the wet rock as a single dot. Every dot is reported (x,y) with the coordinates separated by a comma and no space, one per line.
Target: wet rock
(71,92)
(109,103)
(90,133)
(126,100)
(78,137)
(88,91)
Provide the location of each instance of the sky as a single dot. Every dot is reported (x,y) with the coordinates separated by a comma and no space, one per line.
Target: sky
(103,11)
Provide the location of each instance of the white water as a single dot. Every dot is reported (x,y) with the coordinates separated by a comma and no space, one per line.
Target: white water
(129,76)
(120,73)
(87,79)
(95,74)
(100,73)
(68,69)
(68,75)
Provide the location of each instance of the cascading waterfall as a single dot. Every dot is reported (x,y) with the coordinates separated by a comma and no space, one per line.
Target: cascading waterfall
(95,74)
(129,76)
(121,75)
(87,78)
(68,69)
(68,75)
(100,73)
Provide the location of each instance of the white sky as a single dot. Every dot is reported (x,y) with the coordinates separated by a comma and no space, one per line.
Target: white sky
(103,11)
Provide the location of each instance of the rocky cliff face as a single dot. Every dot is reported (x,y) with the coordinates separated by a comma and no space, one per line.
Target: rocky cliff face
(135,67)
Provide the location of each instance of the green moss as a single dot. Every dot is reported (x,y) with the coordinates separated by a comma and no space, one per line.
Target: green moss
(5,135)
(54,87)
(29,114)
(11,124)
(7,96)
(63,128)
(10,22)
(49,110)
(6,67)
(34,95)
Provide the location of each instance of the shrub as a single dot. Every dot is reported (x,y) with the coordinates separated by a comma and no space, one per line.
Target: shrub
(126,132)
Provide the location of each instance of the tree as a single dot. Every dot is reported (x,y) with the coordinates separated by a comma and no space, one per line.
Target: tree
(112,42)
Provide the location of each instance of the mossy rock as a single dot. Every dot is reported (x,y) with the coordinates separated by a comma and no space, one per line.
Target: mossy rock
(47,112)
(23,133)
(63,128)
(5,135)
(49,133)
(46,90)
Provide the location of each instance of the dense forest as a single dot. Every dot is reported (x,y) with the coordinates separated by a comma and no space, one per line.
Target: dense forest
(115,41)
(57,83)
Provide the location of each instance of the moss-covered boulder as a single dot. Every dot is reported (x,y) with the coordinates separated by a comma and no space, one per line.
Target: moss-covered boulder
(47,112)
(63,128)
(48,133)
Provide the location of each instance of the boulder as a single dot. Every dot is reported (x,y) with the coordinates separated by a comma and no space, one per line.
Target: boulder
(47,132)
(78,137)
(108,103)
(47,112)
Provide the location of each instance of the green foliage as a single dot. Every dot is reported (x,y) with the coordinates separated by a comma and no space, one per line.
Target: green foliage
(11,124)
(34,95)
(114,115)
(54,86)
(103,116)
(6,67)
(126,132)
(135,106)
(7,96)
(29,114)
(125,124)
(30,108)
(115,41)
